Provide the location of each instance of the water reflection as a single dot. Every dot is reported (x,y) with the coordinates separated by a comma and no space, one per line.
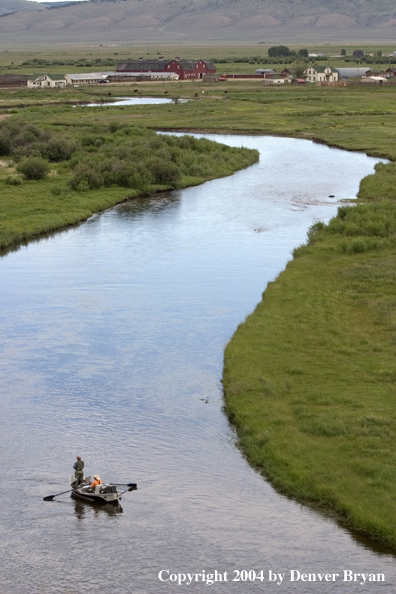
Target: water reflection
(136,101)
(85,510)
(156,205)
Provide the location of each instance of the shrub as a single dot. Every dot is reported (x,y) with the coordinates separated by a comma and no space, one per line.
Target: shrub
(13,180)
(88,140)
(164,172)
(59,149)
(86,178)
(33,168)
(314,231)
(5,144)
(23,152)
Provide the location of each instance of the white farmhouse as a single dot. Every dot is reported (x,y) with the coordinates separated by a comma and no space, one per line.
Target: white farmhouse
(46,81)
(321,74)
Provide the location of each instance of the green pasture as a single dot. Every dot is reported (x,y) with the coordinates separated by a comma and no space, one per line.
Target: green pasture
(354,118)
(98,57)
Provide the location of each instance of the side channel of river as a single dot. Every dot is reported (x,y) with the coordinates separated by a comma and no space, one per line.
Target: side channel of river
(112,347)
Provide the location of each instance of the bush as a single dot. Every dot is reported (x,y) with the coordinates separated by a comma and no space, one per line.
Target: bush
(13,180)
(59,149)
(23,152)
(164,172)
(86,178)
(33,168)
(5,144)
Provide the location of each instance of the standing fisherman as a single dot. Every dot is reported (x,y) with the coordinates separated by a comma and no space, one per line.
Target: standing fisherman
(78,467)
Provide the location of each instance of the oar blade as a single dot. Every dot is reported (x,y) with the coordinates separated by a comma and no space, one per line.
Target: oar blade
(132,486)
(50,497)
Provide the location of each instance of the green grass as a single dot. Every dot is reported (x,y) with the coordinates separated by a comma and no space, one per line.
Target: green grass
(352,118)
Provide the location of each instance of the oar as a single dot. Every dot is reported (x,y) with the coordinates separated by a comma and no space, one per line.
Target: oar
(50,497)
(129,485)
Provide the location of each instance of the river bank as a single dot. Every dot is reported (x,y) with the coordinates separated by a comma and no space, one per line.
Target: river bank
(71,177)
(309,377)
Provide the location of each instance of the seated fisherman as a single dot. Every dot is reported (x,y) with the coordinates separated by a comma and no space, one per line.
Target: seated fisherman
(96,482)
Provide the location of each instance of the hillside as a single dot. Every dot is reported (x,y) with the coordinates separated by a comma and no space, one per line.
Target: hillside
(205,20)
(11,6)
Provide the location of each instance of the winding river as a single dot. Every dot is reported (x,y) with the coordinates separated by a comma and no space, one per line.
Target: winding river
(112,346)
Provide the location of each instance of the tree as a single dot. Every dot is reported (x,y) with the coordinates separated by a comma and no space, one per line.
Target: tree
(379,53)
(303,53)
(278,51)
(343,52)
(300,70)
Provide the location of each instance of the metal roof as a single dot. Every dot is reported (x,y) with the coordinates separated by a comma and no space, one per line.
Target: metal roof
(87,75)
(51,76)
(145,65)
(160,65)
(264,70)
(353,72)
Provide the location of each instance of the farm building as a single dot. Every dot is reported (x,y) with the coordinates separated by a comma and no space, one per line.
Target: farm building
(115,77)
(321,74)
(265,71)
(185,69)
(89,78)
(275,79)
(46,81)
(13,80)
(346,73)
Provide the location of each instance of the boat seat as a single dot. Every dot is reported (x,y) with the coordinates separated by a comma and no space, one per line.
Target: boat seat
(97,489)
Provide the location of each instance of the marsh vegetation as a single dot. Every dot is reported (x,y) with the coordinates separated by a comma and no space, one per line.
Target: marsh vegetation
(64,178)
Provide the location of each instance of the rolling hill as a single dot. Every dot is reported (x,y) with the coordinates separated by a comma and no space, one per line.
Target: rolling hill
(186,21)
(11,6)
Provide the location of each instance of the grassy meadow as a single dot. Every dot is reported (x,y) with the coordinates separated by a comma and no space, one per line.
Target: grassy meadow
(310,376)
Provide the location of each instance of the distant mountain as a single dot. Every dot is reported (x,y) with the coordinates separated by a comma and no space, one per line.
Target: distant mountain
(11,6)
(186,21)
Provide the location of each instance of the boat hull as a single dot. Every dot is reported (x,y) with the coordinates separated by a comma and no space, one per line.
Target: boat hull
(98,499)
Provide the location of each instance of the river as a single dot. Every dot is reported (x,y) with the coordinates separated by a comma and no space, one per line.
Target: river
(113,334)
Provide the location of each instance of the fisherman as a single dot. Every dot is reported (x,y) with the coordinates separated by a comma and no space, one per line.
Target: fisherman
(96,482)
(78,467)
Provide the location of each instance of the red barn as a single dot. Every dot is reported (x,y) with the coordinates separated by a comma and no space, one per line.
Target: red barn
(186,69)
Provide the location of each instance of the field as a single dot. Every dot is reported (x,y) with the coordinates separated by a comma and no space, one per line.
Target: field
(237,59)
(309,377)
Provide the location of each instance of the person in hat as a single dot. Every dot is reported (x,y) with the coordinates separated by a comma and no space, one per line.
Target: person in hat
(96,482)
(78,470)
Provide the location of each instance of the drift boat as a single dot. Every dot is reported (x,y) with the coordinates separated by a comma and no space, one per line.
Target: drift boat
(102,494)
